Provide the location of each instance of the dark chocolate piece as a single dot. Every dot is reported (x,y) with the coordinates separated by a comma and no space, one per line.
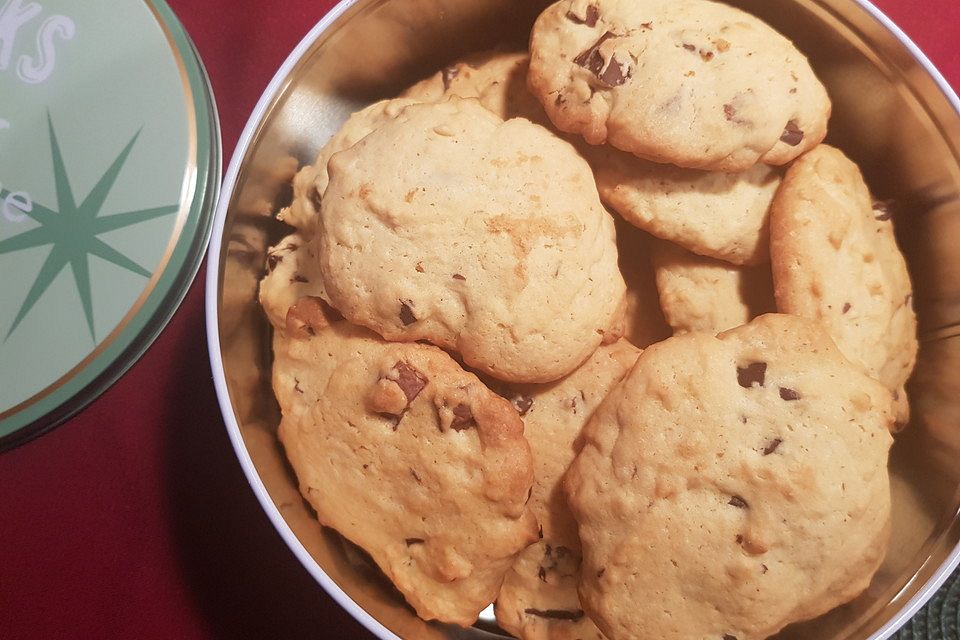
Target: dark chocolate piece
(753,373)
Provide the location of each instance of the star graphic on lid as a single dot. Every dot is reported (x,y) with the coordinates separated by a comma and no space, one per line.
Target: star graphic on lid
(72,231)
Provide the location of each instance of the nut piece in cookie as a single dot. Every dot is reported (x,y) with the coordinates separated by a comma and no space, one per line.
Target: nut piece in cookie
(835,260)
(719,215)
(739,466)
(701,294)
(311,181)
(694,83)
(538,600)
(481,236)
(408,456)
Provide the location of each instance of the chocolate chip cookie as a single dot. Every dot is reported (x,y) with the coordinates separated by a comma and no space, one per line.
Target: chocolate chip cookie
(538,600)
(691,82)
(732,485)
(407,455)
(311,181)
(835,260)
(702,294)
(719,215)
(481,236)
(291,274)
(497,79)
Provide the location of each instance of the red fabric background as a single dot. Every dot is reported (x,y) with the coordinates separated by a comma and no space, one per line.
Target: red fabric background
(133,520)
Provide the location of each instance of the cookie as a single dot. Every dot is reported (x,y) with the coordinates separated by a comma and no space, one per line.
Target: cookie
(408,456)
(702,294)
(732,485)
(311,181)
(693,83)
(538,599)
(291,274)
(719,215)
(497,79)
(481,236)
(835,260)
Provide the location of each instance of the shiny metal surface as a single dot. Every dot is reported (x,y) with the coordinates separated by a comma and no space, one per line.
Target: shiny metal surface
(890,115)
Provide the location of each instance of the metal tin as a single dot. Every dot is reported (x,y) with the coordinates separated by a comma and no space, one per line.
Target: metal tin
(893,113)
(106,199)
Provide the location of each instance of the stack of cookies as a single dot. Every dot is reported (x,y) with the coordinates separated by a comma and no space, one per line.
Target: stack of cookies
(458,325)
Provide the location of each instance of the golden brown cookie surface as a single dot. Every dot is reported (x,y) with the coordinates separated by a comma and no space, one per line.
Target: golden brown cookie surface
(694,83)
(406,455)
(731,485)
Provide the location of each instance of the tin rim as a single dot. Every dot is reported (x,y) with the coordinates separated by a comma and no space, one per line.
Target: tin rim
(264,104)
(180,272)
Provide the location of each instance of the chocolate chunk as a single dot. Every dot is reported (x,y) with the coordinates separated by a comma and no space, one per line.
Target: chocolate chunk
(522,404)
(772,446)
(846,307)
(883,210)
(792,134)
(590,59)
(739,539)
(412,541)
(601,571)
(788,394)
(448,74)
(315,198)
(706,55)
(613,76)
(462,415)
(457,276)
(754,373)
(689,47)
(593,13)
(555,614)
(410,380)
(299,278)
(738,502)
(406,314)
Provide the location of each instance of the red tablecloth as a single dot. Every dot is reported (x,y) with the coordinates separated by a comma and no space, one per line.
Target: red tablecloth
(133,519)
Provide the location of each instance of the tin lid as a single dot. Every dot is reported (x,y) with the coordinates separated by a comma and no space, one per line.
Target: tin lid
(109,171)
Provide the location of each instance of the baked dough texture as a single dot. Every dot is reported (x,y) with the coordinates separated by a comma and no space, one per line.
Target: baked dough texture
(694,83)
(485,237)
(732,485)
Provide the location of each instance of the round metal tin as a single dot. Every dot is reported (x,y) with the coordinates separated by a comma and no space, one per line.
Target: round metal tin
(905,137)
(109,172)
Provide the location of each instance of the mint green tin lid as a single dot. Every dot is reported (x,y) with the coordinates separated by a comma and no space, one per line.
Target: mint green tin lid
(109,170)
